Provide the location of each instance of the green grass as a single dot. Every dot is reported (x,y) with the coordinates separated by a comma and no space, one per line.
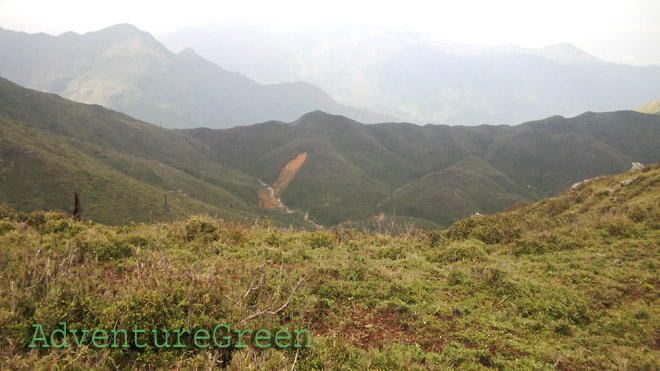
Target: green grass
(571,282)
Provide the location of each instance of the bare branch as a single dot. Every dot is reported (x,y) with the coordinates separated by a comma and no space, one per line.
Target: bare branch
(255,287)
(250,288)
(234,301)
(274,312)
(293,366)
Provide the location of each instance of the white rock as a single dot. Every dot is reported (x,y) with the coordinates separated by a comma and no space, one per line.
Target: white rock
(636,166)
(626,182)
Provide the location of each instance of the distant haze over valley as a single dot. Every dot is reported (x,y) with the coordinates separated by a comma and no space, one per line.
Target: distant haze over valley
(423,79)
(370,74)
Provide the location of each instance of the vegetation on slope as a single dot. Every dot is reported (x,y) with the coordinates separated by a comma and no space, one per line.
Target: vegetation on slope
(571,282)
(434,173)
(352,172)
(123,168)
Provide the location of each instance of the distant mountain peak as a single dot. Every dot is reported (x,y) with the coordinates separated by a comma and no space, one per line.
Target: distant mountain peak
(122,28)
(121,32)
(318,114)
(565,53)
(187,52)
(318,118)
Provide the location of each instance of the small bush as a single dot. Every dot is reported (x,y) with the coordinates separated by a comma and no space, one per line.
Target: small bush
(465,251)
(456,277)
(345,234)
(563,329)
(274,239)
(37,219)
(637,214)
(202,229)
(320,239)
(6,226)
(491,229)
(6,212)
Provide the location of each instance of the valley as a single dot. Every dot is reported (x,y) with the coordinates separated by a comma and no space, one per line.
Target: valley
(330,168)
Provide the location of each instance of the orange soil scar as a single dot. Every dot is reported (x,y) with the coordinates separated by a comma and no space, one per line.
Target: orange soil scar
(288,172)
(269,199)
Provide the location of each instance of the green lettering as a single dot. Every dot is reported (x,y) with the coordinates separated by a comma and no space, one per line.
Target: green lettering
(38,328)
(136,332)
(59,331)
(309,338)
(178,338)
(240,333)
(205,337)
(228,338)
(114,338)
(75,336)
(258,337)
(286,336)
(165,344)
(103,336)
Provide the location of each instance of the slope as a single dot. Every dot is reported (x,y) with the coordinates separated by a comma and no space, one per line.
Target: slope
(125,168)
(126,69)
(426,79)
(467,187)
(568,283)
(355,171)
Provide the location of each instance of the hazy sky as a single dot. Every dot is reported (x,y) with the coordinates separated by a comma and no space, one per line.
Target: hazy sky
(626,31)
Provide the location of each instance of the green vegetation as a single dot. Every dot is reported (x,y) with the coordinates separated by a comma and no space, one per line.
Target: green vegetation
(571,282)
(433,175)
(436,174)
(123,168)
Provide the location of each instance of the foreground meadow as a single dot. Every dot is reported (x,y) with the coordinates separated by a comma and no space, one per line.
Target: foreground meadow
(569,283)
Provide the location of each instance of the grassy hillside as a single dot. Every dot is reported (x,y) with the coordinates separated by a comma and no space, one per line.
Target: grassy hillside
(570,283)
(469,186)
(435,173)
(351,168)
(353,172)
(123,168)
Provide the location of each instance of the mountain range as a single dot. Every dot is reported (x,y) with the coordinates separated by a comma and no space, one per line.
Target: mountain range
(125,169)
(344,170)
(423,79)
(128,70)
(434,173)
